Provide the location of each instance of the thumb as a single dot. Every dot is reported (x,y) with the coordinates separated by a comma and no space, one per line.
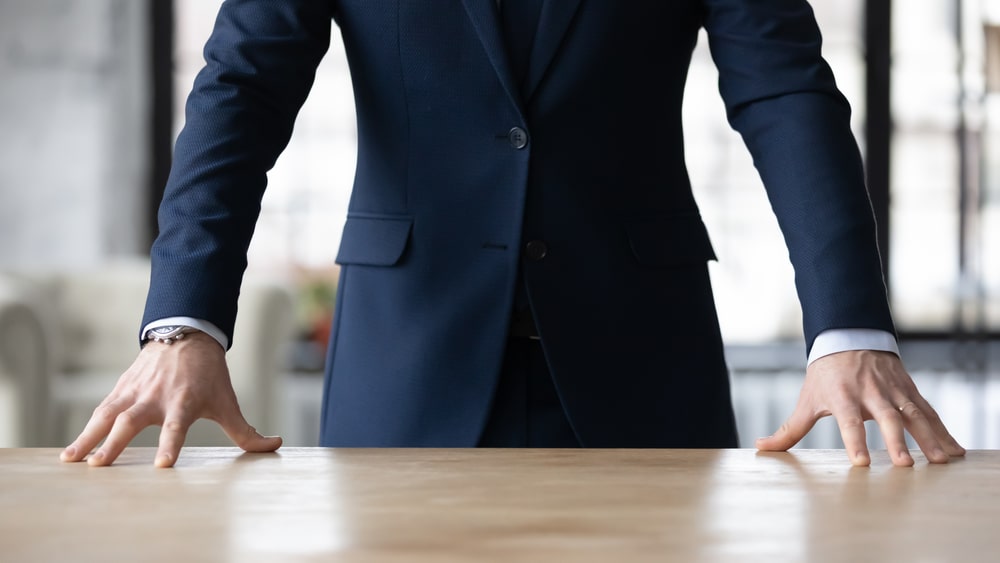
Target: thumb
(791,432)
(246,436)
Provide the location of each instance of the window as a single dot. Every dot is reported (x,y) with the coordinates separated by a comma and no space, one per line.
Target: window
(753,280)
(945,206)
(305,205)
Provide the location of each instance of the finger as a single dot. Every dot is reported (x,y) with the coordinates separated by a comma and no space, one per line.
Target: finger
(98,427)
(246,436)
(919,426)
(174,430)
(852,432)
(945,439)
(127,425)
(239,430)
(172,437)
(791,432)
(890,422)
(252,441)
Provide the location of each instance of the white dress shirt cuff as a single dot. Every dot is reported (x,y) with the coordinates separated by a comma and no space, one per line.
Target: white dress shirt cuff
(844,339)
(204,326)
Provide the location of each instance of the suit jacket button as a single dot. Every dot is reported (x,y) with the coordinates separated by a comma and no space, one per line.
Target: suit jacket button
(518,138)
(536,250)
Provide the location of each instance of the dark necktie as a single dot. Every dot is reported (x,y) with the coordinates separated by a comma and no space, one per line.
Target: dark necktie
(520,23)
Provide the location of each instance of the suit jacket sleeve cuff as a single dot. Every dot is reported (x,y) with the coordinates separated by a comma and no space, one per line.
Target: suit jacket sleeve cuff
(844,339)
(202,325)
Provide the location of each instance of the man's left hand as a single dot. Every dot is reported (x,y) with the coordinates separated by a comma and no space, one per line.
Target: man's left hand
(861,385)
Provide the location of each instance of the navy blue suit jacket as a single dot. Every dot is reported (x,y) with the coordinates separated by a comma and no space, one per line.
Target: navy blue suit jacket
(443,203)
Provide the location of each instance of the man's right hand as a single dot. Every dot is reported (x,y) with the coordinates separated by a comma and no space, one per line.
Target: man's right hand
(170,386)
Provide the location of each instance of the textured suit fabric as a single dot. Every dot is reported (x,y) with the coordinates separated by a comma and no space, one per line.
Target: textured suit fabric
(443,204)
(526,410)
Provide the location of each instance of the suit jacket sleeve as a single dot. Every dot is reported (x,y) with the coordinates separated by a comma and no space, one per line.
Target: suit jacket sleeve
(781,96)
(260,64)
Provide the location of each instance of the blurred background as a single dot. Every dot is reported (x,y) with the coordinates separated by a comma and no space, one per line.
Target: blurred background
(91,99)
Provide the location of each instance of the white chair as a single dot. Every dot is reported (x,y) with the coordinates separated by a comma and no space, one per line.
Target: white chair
(24,366)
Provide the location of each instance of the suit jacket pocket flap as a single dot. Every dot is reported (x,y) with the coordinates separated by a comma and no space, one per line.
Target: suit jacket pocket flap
(374,241)
(670,240)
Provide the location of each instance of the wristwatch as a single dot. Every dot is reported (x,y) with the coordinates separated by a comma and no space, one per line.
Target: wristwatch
(167,334)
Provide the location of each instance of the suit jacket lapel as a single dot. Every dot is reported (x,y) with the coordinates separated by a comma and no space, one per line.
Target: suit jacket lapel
(486,21)
(553,24)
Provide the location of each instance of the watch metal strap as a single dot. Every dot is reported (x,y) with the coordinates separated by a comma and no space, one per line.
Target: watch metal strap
(168,335)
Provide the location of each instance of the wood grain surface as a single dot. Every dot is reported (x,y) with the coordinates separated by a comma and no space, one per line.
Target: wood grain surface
(497,505)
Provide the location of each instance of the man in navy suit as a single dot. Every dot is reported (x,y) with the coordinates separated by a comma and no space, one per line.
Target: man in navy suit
(523,263)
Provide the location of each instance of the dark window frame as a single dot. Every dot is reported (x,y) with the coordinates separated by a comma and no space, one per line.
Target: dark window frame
(161,115)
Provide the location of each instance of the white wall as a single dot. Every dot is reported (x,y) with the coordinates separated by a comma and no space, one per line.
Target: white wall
(73,135)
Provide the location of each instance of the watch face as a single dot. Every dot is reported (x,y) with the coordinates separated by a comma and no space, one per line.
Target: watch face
(164,329)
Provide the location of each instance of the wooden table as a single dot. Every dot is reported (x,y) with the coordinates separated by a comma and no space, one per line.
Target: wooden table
(503,505)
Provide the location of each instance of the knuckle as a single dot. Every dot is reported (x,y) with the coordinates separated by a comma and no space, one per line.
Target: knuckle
(185,399)
(911,411)
(852,422)
(885,413)
(128,420)
(105,413)
(843,389)
(174,426)
(868,385)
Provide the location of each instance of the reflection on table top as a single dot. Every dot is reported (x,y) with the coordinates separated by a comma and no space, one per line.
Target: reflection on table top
(460,504)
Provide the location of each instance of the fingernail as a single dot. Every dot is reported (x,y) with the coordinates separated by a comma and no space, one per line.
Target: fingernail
(163,459)
(69,452)
(98,456)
